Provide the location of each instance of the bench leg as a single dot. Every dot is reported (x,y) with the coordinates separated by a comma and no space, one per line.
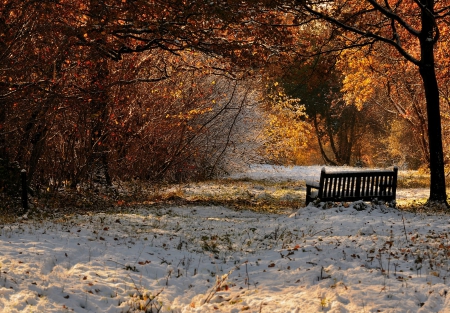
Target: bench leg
(308,195)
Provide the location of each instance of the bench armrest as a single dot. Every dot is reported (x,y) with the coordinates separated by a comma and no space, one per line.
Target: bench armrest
(309,194)
(313,184)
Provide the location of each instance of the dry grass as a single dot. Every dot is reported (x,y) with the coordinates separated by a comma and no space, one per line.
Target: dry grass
(256,195)
(413,179)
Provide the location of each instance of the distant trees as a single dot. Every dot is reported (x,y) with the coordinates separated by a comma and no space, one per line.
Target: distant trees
(392,86)
(337,126)
(154,89)
(409,30)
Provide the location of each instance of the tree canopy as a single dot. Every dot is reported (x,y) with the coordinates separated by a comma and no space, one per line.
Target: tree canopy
(91,86)
(409,30)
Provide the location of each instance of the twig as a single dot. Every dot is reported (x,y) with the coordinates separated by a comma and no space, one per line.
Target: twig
(219,281)
(321,274)
(150,300)
(134,283)
(248,278)
(320,231)
(140,253)
(168,276)
(404,228)
(117,263)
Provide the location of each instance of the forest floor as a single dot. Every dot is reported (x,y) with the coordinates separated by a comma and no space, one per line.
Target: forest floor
(242,243)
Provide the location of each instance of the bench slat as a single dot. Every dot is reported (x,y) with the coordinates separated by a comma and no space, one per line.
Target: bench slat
(368,186)
(374,189)
(345,187)
(334,185)
(363,186)
(352,189)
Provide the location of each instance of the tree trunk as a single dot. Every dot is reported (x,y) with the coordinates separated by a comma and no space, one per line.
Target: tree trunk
(100,99)
(319,139)
(3,153)
(437,179)
(428,74)
(38,141)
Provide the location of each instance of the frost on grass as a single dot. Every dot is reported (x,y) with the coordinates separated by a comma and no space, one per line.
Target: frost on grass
(328,258)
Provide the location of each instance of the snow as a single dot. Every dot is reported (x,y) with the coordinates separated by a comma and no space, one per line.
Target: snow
(351,257)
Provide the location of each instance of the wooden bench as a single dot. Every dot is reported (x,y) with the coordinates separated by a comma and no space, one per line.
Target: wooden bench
(354,186)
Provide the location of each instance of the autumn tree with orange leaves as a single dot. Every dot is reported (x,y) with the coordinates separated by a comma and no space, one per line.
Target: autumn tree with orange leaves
(409,29)
(126,86)
(97,84)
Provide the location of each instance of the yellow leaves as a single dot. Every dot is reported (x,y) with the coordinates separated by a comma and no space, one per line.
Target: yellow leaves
(177,93)
(285,133)
(196,112)
(189,114)
(358,89)
(359,83)
(434,273)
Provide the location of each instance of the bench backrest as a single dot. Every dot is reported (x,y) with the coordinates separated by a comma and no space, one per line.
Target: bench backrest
(361,185)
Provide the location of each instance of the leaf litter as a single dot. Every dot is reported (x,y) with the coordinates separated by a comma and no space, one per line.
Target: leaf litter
(328,257)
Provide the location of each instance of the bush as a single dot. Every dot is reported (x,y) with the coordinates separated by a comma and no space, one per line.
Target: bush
(9,178)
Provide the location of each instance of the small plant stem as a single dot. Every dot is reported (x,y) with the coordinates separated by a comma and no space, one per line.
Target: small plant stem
(320,231)
(404,228)
(248,278)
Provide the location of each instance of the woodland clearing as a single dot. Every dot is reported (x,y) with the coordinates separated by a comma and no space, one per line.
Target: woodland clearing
(191,256)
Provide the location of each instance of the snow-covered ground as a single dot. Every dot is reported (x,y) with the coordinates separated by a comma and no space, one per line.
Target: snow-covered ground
(348,258)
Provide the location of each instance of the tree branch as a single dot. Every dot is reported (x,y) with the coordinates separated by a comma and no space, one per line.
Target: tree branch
(366,34)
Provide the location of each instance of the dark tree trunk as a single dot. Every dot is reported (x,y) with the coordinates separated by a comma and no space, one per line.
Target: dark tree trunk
(37,151)
(100,98)
(428,74)
(3,154)
(25,138)
(319,139)
(437,179)
(428,36)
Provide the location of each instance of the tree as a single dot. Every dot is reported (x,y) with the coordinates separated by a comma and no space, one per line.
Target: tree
(411,30)
(337,126)
(77,76)
(285,130)
(391,85)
